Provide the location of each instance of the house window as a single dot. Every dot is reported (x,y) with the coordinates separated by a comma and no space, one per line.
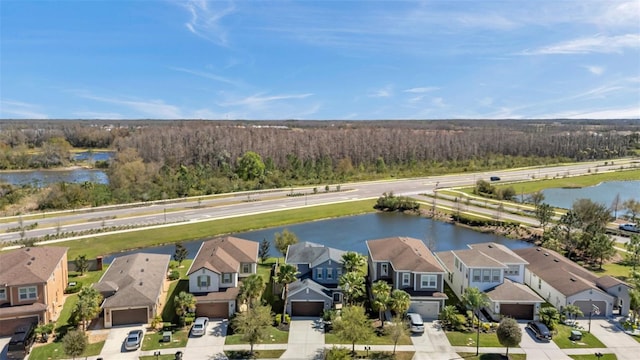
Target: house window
(428,281)
(204,281)
(3,294)
(384,269)
(476,275)
(337,297)
(539,283)
(495,275)
(319,273)
(406,279)
(513,270)
(28,293)
(339,272)
(486,275)
(246,268)
(226,278)
(455,263)
(329,274)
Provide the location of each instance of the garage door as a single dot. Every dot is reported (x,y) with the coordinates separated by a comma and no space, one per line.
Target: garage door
(586,307)
(9,326)
(307,308)
(213,310)
(131,316)
(427,309)
(517,311)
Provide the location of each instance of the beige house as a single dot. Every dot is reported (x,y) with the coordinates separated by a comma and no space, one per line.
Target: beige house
(216,272)
(132,288)
(32,283)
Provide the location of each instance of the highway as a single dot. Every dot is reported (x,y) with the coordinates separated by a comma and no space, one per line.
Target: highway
(181,211)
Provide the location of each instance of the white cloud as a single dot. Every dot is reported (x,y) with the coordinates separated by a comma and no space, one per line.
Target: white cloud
(438,101)
(594,44)
(145,108)
(421,90)
(97,115)
(209,76)
(386,91)
(620,113)
(12,108)
(205,21)
(595,70)
(259,100)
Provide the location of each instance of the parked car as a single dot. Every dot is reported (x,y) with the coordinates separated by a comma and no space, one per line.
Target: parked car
(495,178)
(20,343)
(133,341)
(199,327)
(629,227)
(416,325)
(540,330)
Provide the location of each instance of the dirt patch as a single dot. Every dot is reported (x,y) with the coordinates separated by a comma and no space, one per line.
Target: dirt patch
(97,336)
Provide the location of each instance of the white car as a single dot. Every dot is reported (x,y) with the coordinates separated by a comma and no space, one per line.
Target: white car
(629,227)
(199,327)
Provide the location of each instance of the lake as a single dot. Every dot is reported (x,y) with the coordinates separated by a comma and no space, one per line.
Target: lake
(603,193)
(350,233)
(40,178)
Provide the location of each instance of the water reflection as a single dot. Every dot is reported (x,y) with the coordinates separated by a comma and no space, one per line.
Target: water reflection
(603,193)
(40,178)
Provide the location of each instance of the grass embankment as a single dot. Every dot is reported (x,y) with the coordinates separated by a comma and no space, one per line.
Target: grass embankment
(108,244)
(472,356)
(594,357)
(528,187)
(274,336)
(457,338)
(55,351)
(562,339)
(153,340)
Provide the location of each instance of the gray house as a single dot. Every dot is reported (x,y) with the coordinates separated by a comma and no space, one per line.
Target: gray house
(319,269)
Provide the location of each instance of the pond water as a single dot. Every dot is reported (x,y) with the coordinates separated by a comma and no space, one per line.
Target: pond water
(41,178)
(603,193)
(350,233)
(94,156)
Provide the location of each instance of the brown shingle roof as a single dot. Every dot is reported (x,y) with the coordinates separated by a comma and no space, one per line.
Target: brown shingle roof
(510,291)
(137,279)
(561,273)
(404,254)
(29,265)
(608,281)
(224,255)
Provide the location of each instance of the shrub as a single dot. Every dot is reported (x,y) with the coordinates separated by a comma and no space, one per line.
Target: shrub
(73,289)
(174,275)
(278,319)
(287,318)
(337,353)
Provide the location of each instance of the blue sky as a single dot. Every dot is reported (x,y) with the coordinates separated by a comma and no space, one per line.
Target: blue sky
(344,60)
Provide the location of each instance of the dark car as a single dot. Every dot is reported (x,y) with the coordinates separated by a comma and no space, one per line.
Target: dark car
(133,341)
(20,343)
(495,178)
(540,330)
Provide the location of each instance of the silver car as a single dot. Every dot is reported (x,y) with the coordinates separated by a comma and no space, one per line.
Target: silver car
(199,327)
(133,341)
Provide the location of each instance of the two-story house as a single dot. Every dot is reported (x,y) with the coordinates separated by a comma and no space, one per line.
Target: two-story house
(562,282)
(407,264)
(319,269)
(216,272)
(32,283)
(133,288)
(497,271)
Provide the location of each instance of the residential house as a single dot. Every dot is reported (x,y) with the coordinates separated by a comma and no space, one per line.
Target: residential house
(32,283)
(319,269)
(216,272)
(497,271)
(133,288)
(562,282)
(407,264)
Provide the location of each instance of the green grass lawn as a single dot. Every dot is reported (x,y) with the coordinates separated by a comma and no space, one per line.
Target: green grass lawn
(108,244)
(161,357)
(330,338)
(562,339)
(274,336)
(457,338)
(594,357)
(153,340)
(55,351)
(472,356)
(175,287)
(257,354)
(576,181)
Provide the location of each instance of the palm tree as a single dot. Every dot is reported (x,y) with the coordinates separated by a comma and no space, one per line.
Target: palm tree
(352,285)
(400,301)
(573,312)
(286,275)
(475,300)
(381,298)
(251,288)
(352,261)
(184,303)
(448,316)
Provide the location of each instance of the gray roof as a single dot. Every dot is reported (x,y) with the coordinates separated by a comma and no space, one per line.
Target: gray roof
(300,285)
(483,255)
(499,252)
(510,291)
(137,280)
(30,265)
(312,254)
(404,254)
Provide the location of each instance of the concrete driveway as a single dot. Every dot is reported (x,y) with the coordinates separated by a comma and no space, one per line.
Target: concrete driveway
(539,350)
(209,346)
(432,344)
(306,339)
(114,345)
(623,345)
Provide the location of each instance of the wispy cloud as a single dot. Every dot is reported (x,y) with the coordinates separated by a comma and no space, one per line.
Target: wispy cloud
(384,92)
(98,115)
(144,108)
(260,100)
(619,113)
(205,20)
(209,76)
(420,90)
(595,70)
(12,108)
(594,44)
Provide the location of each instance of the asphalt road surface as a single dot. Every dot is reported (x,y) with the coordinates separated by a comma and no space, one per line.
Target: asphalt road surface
(180,211)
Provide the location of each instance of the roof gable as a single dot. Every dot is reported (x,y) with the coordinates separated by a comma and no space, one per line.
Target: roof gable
(301,285)
(312,254)
(498,252)
(224,255)
(29,265)
(404,254)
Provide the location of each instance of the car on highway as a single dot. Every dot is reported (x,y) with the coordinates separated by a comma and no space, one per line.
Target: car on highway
(495,178)
(629,227)
(199,327)
(133,340)
(539,330)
